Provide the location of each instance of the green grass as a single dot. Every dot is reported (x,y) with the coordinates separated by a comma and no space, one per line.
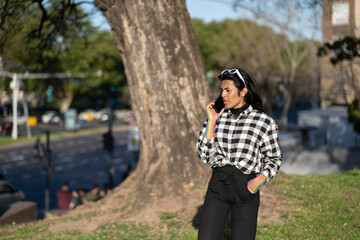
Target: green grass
(321,207)
(15,232)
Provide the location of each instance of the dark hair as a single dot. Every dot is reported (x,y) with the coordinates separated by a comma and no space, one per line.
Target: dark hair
(253,96)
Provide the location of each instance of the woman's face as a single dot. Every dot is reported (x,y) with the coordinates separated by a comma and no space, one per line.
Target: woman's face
(230,95)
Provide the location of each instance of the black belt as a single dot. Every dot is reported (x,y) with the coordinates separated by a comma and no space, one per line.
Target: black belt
(227,173)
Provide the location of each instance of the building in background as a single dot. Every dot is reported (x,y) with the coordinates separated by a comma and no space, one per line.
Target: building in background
(340,18)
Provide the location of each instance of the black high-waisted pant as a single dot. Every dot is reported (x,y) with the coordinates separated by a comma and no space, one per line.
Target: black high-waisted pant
(227,192)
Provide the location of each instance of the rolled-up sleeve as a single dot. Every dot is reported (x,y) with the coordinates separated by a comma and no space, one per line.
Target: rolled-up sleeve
(205,147)
(270,150)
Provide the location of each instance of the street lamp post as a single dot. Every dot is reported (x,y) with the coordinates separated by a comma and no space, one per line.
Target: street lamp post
(15,86)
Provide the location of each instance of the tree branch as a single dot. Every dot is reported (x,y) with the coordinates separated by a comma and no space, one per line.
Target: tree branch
(44,16)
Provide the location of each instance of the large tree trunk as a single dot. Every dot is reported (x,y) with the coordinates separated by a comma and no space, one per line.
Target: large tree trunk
(169,92)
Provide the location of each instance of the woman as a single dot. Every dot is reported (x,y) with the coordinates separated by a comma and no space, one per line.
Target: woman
(241,145)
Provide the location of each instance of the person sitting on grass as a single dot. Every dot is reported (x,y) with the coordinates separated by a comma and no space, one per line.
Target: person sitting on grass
(93,194)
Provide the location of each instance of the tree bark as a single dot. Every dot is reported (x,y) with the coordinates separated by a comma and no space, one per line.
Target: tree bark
(169,92)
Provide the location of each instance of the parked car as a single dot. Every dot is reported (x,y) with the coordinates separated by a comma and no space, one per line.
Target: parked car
(87,115)
(122,115)
(102,115)
(21,119)
(52,117)
(9,194)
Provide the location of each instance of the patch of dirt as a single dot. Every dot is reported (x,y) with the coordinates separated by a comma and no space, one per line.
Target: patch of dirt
(116,208)
(85,224)
(272,205)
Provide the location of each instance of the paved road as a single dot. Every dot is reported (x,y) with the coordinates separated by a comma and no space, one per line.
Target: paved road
(79,160)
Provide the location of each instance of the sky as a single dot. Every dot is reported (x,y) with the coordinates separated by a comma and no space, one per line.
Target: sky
(212,10)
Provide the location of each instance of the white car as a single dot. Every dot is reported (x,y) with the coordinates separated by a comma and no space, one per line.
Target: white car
(52,117)
(102,115)
(9,194)
(21,120)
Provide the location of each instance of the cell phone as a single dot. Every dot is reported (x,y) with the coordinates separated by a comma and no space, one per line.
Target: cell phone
(219,104)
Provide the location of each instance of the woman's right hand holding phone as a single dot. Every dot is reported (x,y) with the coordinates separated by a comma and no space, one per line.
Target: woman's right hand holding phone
(211,113)
(213,116)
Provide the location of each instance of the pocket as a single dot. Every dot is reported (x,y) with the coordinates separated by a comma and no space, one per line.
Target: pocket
(242,192)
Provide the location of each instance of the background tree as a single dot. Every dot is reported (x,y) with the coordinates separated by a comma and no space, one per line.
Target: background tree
(96,52)
(238,43)
(260,51)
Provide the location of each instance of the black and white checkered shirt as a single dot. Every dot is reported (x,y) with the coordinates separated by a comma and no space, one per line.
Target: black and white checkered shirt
(249,142)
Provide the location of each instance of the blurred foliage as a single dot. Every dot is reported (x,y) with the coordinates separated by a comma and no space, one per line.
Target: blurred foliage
(345,48)
(231,43)
(243,43)
(56,36)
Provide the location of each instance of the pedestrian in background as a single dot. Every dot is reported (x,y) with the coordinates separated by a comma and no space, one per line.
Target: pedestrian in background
(93,194)
(63,197)
(240,143)
(82,193)
(39,149)
(75,200)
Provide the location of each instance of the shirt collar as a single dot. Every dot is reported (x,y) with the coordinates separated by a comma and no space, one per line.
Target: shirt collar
(244,113)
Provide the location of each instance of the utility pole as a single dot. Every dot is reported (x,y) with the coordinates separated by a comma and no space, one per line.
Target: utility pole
(111,168)
(108,144)
(15,87)
(1,66)
(26,113)
(48,170)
